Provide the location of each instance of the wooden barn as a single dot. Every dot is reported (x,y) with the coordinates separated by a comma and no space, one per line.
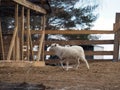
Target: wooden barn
(16,42)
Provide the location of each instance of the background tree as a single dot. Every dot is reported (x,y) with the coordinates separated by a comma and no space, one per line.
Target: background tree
(74,14)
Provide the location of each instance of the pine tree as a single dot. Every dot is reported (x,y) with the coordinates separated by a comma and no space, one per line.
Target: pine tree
(72,14)
(67,15)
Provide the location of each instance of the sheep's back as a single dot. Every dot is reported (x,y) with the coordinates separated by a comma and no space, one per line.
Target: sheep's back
(70,53)
(79,49)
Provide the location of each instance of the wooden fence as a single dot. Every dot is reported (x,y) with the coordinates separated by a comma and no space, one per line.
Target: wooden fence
(115,42)
(79,42)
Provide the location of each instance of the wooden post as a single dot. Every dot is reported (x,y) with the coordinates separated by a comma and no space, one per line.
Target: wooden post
(116,47)
(41,46)
(29,39)
(22,34)
(14,34)
(117,19)
(17,44)
(12,44)
(116,37)
(44,25)
(28,27)
(1,40)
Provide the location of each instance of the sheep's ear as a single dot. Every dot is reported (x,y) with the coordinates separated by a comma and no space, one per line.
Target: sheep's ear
(55,45)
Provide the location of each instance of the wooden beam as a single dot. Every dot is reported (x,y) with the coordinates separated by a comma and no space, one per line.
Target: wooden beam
(22,36)
(117,18)
(44,25)
(98,53)
(88,53)
(17,47)
(80,42)
(57,61)
(116,25)
(41,41)
(72,32)
(29,39)
(116,46)
(40,46)
(30,5)
(79,32)
(116,37)
(12,44)
(14,34)
(1,40)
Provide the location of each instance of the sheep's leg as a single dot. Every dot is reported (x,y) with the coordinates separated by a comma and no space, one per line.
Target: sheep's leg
(86,63)
(67,65)
(61,62)
(78,64)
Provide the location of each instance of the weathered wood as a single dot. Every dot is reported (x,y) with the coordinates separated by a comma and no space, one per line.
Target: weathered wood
(17,48)
(116,46)
(76,42)
(80,42)
(117,18)
(14,34)
(116,25)
(1,40)
(28,39)
(57,61)
(22,32)
(30,5)
(69,32)
(43,49)
(40,46)
(88,53)
(12,44)
(73,32)
(116,37)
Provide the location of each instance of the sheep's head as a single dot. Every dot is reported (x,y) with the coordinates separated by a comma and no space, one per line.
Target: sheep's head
(53,46)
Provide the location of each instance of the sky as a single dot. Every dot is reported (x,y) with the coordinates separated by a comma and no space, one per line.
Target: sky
(107,12)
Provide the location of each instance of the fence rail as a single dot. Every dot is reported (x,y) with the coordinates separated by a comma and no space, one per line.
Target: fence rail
(73,32)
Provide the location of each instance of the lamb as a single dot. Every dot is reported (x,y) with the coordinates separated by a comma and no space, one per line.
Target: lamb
(69,53)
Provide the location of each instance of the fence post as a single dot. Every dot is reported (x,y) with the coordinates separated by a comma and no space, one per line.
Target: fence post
(1,41)
(116,37)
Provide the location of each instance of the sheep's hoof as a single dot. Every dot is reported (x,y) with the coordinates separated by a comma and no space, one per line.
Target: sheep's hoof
(67,67)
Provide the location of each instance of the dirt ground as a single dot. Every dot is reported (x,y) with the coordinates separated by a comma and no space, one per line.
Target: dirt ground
(101,76)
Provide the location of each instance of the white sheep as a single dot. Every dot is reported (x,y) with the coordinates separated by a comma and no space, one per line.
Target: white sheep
(69,53)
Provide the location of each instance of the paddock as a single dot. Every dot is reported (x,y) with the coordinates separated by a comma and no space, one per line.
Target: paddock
(101,76)
(20,70)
